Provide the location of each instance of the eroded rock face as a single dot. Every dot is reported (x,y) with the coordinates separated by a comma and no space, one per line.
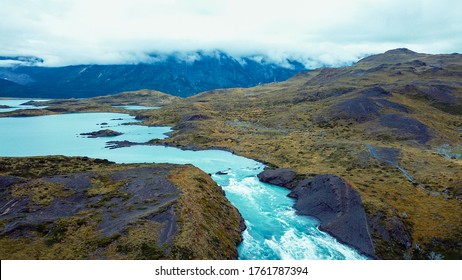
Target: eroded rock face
(406,127)
(112,196)
(279,177)
(338,207)
(366,107)
(439,93)
(331,200)
(359,109)
(375,92)
(393,236)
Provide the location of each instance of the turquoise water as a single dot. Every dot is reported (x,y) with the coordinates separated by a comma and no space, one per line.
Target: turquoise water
(16,104)
(274,231)
(60,134)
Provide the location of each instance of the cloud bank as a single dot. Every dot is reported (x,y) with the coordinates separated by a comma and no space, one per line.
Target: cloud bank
(332,32)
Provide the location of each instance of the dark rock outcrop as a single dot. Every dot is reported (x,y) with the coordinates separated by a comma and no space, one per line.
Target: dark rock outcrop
(102,133)
(406,127)
(359,109)
(8,181)
(134,193)
(279,177)
(392,105)
(363,108)
(331,200)
(375,92)
(338,207)
(120,144)
(439,93)
(393,237)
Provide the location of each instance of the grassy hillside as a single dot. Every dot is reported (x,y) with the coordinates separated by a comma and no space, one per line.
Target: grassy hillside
(406,105)
(80,208)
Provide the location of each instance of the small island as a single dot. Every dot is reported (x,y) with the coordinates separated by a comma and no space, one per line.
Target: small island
(102,133)
(4,107)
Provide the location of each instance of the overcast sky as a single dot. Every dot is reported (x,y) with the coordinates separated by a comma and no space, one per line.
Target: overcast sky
(323,31)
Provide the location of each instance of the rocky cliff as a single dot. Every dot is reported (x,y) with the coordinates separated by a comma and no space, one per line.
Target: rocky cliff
(332,201)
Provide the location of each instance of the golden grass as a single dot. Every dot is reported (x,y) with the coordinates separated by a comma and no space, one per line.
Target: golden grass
(208,223)
(101,184)
(40,191)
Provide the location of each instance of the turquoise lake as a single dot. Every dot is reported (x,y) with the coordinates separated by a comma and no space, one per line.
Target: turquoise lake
(274,231)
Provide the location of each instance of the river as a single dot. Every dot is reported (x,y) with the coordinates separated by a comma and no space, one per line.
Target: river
(274,231)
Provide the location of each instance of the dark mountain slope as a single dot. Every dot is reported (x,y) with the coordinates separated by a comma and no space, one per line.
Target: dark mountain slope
(8,88)
(170,75)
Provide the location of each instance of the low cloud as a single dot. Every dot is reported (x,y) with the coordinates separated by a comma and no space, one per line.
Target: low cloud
(318,33)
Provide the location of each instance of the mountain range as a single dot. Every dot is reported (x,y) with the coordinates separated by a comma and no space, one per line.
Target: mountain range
(385,131)
(177,74)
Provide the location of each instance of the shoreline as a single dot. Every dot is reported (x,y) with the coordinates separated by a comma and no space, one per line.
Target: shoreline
(192,147)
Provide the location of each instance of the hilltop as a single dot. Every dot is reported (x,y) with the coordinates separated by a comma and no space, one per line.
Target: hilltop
(389,125)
